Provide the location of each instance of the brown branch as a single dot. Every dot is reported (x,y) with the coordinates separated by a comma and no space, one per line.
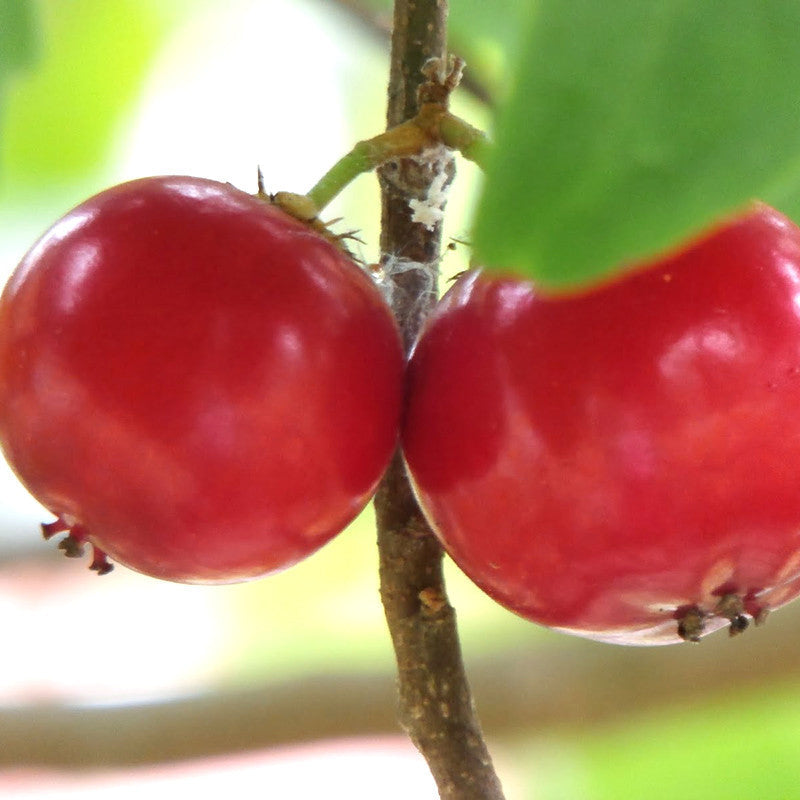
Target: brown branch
(379,25)
(435,703)
(564,685)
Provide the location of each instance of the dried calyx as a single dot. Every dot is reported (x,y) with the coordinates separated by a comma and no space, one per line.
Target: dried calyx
(692,621)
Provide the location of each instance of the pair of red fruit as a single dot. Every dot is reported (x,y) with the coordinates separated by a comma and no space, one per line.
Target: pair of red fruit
(207,390)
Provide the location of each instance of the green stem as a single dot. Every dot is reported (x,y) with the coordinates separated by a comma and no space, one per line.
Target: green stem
(345,170)
(459,135)
(403,140)
(431,126)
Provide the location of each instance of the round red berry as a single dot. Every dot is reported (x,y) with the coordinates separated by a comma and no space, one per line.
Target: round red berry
(622,464)
(195,383)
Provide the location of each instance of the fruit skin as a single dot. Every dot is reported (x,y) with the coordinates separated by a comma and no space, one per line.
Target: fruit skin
(199,384)
(619,463)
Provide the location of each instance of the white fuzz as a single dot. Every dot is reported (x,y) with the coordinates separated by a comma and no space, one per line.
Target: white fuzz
(430,210)
(395,265)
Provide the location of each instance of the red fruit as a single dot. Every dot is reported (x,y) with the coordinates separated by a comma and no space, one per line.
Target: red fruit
(195,383)
(623,464)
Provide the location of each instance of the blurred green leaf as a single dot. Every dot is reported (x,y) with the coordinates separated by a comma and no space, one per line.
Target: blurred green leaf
(741,749)
(17,39)
(634,125)
(789,202)
(60,117)
(737,746)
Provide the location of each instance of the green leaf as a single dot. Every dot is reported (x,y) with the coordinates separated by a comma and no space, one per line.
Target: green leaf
(17,41)
(17,27)
(737,747)
(739,743)
(631,126)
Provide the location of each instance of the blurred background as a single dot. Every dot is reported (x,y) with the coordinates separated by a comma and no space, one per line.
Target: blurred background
(285,686)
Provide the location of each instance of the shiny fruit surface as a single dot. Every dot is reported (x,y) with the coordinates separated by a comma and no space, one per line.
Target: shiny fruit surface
(622,464)
(195,383)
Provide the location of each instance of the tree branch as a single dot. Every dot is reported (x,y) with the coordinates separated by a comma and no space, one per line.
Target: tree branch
(435,703)
(563,685)
(378,24)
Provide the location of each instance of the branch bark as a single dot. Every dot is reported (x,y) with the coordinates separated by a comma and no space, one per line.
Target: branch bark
(435,702)
(378,24)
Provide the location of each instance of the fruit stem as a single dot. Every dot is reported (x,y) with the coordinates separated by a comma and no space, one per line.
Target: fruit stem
(404,140)
(432,125)
(457,134)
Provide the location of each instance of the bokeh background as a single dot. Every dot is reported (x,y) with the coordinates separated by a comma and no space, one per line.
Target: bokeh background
(285,687)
